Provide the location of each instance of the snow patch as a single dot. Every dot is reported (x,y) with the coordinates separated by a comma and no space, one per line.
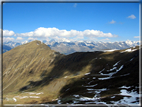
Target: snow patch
(23,97)
(110,74)
(39,93)
(112,69)
(105,78)
(125,74)
(87,98)
(125,87)
(96,97)
(132,97)
(131,59)
(101,71)
(54,99)
(34,96)
(14,99)
(30,93)
(67,89)
(110,50)
(59,101)
(90,89)
(91,85)
(76,95)
(113,97)
(41,41)
(94,77)
(129,50)
(87,73)
(119,68)
(65,76)
(116,63)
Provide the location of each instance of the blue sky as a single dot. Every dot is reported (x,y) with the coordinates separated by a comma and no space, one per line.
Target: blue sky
(71,21)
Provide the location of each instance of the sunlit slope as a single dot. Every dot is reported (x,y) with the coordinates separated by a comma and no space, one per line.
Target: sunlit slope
(26,63)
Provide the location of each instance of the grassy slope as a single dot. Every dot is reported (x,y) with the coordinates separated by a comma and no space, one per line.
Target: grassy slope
(29,62)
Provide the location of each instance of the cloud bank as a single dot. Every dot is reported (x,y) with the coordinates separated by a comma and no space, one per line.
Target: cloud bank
(106,39)
(8,39)
(19,38)
(57,34)
(32,38)
(7,32)
(53,32)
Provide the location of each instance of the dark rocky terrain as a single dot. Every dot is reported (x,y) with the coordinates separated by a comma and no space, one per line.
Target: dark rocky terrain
(35,74)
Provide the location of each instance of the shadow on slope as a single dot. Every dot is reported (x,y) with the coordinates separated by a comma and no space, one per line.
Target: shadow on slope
(72,63)
(80,88)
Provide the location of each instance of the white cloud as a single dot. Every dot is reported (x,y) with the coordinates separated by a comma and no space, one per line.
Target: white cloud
(32,38)
(132,16)
(112,22)
(63,40)
(19,38)
(136,36)
(54,33)
(8,39)
(75,5)
(7,32)
(105,39)
(24,34)
(96,33)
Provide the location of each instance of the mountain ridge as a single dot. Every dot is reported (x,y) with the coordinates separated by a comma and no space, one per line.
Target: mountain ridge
(27,57)
(79,46)
(29,68)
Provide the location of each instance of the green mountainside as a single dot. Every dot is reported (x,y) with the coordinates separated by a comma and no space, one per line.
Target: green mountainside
(33,73)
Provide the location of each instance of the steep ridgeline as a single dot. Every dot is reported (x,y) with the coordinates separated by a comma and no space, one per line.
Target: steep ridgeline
(25,63)
(33,73)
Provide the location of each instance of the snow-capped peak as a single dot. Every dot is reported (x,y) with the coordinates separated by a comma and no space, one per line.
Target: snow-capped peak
(128,42)
(65,40)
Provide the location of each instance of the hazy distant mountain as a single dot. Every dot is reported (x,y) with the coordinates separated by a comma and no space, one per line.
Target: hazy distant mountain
(12,44)
(6,48)
(68,47)
(35,74)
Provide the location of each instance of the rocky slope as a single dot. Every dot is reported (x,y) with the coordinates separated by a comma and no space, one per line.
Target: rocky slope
(33,73)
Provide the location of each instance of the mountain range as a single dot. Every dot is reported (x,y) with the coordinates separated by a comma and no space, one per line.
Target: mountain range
(68,47)
(35,74)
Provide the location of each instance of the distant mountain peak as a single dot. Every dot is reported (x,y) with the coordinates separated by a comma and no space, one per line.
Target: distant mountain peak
(68,47)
